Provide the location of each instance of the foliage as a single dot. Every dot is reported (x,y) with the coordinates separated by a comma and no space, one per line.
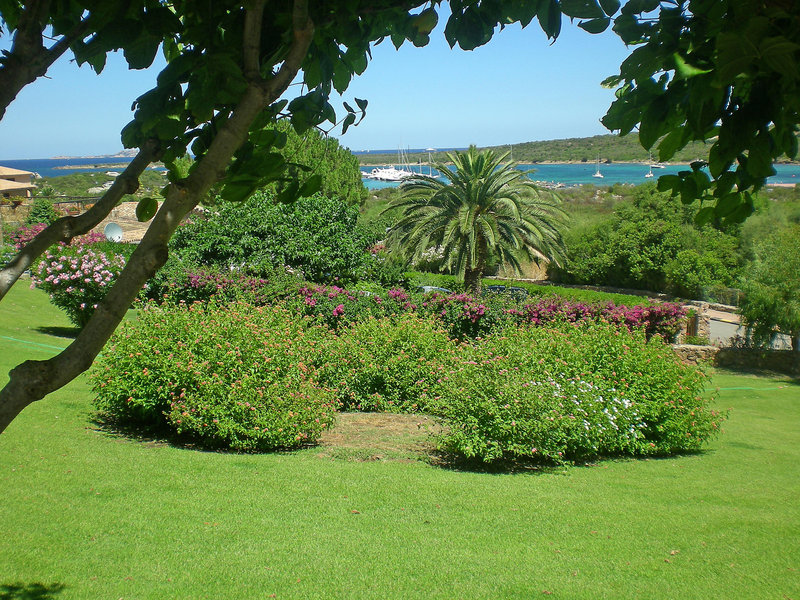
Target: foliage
(321,155)
(706,70)
(486,210)
(316,235)
(386,364)
(572,392)
(771,300)
(42,211)
(233,377)
(23,235)
(651,243)
(663,320)
(578,150)
(77,277)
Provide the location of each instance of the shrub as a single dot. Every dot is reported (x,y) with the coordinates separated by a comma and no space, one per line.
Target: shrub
(23,235)
(771,301)
(385,364)
(178,282)
(235,377)
(572,392)
(77,278)
(42,211)
(317,236)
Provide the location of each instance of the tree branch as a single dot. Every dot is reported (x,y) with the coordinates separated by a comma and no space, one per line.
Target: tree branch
(65,228)
(33,380)
(251,46)
(29,59)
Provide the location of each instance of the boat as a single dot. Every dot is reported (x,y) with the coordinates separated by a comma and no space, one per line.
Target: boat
(650,172)
(392,173)
(388,174)
(597,172)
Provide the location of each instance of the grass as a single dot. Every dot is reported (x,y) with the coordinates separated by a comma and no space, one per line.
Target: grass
(89,514)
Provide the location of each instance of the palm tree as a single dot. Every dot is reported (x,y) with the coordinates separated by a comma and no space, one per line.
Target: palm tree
(484,209)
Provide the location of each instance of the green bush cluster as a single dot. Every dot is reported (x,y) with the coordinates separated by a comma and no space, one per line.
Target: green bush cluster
(651,243)
(387,364)
(261,378)
(222,377)
(318,236)
(572,392)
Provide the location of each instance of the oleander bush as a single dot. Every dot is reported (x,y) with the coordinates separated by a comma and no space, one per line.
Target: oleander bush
(570,392)
(77,277)
(235,377)
(387,364)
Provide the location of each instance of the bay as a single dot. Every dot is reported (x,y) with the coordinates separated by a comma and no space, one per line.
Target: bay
(552,174)
(583,174)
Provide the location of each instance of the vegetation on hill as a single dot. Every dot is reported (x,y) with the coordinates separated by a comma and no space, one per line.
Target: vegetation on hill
(608,148)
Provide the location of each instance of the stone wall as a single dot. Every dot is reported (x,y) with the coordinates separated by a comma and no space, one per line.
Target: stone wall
(695,355)
(781,361)
(14,215)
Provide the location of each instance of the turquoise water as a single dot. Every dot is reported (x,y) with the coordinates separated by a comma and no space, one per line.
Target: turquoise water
(572,174)
(579,174)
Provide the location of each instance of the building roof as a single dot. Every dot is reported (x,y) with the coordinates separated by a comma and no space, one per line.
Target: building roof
(6,171)
(6,185)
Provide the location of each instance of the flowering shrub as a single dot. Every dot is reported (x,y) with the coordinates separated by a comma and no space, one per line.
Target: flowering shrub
(662,319)
(25,234)
(386,364)
(571,392)
(77,277)
(235,377)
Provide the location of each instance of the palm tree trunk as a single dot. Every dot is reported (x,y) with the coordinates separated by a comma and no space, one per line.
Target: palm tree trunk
(473,275)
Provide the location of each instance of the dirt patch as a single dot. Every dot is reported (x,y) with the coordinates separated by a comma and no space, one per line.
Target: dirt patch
(379,436)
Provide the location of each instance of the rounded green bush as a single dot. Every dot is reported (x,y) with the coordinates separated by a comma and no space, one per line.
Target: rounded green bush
(387,364)
(236,377)
(572,392)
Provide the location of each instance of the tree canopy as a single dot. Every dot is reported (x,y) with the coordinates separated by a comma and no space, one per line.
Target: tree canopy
(481,210)
(702,69)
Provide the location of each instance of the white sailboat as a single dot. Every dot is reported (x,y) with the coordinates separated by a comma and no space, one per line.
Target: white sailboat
(650,163)
(392,173)
(597,172)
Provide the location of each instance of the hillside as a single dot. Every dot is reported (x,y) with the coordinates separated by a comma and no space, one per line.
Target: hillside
(608,148)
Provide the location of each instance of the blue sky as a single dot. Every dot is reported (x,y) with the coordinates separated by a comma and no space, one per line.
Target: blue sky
(515,89)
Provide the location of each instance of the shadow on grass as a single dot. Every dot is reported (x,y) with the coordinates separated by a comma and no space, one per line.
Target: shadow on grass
(62,332)
(30,591)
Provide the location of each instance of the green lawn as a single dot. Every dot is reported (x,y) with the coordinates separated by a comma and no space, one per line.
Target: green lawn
(87,514)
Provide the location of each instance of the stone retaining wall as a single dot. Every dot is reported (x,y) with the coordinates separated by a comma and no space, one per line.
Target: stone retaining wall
(781,361)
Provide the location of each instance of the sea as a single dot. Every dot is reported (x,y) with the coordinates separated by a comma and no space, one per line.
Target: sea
(574,174)
(551,174)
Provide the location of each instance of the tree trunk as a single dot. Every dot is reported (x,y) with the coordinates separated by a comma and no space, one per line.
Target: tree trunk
(33,380)
(473,275)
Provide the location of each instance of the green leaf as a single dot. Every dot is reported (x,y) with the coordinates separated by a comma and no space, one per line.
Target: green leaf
(668,183)
(779,55)
(595,25)
(671,143)
(348,120)
(289,194)
(341,77)
(610,7)
(582,9)
(142,52)
(146,209)
(685,70)
(362,104)
(653,122)
(704,215)
(727,204)
(688,190)
(733,56)
(237,191)
(311,186)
